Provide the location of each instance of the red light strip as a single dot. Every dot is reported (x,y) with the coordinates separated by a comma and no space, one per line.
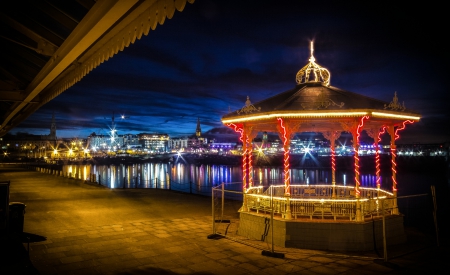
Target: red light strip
(358,130)
(377,165)
(397,136)
(239,129)
(377,157)
(250,165)
(333,162)
(394,171)
(358,133)
(383,131)
(286,158)
(333,166)
(394,154)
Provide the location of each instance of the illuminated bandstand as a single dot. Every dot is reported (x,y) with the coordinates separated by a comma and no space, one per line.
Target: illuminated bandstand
(316,106)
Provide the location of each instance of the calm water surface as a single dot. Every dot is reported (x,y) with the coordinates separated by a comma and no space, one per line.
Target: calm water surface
(200,178)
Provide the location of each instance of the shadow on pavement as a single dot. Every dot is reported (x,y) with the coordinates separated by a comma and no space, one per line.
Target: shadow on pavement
(14,258)
(31,238)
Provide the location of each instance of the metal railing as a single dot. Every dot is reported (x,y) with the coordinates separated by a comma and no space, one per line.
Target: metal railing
(320,201)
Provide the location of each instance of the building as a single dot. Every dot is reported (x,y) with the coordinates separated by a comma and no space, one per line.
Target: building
(32,146)
(178,144)
(197,142)
(154,143)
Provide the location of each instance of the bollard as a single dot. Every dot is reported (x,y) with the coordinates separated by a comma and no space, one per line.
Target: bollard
(123,182)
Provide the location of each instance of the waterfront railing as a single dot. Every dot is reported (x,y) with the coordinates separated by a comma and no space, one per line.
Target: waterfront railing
(320,201)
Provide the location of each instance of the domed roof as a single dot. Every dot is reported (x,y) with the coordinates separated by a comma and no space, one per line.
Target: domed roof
(314,98)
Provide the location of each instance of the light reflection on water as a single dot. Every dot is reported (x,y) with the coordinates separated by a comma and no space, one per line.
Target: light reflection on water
(199,178)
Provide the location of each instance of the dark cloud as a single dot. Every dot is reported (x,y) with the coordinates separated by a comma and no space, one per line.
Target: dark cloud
(207,59)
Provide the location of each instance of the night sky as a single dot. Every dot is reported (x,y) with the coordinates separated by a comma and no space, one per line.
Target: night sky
(208,58)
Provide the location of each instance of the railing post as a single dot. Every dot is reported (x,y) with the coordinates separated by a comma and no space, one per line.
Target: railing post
(271,217)
(213,217)
(384,232)
(223,198)
(433,194)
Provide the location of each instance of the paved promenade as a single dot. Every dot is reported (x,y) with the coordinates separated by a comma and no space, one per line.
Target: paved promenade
(80,228)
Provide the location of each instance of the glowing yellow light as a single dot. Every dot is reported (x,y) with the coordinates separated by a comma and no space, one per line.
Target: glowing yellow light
(395,116)
(296,115)
(314,70)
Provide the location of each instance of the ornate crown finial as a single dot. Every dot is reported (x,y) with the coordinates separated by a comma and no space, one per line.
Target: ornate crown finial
(394,105)
(320,73)
(248,108)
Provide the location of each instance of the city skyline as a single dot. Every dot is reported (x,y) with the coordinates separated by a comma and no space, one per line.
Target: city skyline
(206,60)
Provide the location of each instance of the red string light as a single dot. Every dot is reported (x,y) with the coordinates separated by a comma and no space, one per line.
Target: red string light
(286,158)
(397,136)
(250,165)
(394,154)
(377,156)
(360,125)
(333,166)
(237,129)
(394,171)
(240,129)
(383,131)
(333,162)
(358,133)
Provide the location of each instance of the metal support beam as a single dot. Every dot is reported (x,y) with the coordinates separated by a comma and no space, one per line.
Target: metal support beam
(103,15)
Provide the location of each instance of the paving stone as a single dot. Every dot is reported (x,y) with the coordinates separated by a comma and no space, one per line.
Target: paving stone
(122,235)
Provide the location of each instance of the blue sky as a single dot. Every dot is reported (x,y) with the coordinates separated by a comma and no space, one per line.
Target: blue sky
(207,59)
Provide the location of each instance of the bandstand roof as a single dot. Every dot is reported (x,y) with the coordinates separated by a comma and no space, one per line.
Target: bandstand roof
(317,106)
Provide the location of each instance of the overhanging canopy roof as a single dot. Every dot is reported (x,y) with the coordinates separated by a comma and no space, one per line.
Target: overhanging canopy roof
(49,45)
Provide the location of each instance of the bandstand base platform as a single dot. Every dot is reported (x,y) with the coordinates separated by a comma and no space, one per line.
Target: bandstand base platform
(323,234)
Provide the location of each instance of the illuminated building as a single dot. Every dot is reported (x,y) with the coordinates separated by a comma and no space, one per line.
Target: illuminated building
(313,105)
(197,142)
(155,143)
(178,144)
(198,130)
(33,146)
